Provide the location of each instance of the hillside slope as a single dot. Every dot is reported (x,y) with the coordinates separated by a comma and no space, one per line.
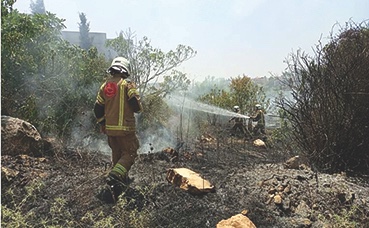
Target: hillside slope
(61,190)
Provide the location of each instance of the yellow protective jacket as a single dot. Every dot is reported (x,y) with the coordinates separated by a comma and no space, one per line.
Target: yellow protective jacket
(116,103)
(259,117)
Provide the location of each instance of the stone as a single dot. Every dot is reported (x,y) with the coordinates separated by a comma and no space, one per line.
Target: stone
(259,143)
(303,210)
(277,199)
(292,163)
(236,221)
(8,174)
(19,137)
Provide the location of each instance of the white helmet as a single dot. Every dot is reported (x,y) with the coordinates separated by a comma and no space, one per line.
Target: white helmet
(120,65)
(258,106)
(236,108)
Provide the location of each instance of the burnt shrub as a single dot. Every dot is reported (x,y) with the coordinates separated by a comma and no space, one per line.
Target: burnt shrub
(329,108)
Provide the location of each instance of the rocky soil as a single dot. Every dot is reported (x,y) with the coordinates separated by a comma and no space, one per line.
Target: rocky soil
(60,190)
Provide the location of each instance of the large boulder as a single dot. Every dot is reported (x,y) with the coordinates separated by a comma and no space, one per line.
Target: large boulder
(21,137)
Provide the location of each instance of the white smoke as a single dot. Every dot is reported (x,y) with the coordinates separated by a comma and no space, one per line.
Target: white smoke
(155,140)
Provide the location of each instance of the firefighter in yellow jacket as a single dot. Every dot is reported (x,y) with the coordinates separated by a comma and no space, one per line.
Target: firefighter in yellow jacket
(260,119)
(116,103)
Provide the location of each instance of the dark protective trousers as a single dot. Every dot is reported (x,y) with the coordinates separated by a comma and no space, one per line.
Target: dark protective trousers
(124,149)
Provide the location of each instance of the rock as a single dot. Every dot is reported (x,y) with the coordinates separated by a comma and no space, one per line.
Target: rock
(277,199)
(272,191)
(280,188)
(303,210)
(206,138)
(244,212)
(8,174)
(292,163)
(189,180)
(301,222)
(236,221)
(20,137)
(259,143)
(287,189)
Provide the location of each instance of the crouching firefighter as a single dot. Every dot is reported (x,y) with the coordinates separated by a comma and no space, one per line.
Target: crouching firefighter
(238,124)
(116,103)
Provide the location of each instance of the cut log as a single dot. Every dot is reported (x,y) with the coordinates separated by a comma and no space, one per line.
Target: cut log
(237,221)
(189,180)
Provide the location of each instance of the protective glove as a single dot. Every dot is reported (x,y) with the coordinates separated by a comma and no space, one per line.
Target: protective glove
(134,97)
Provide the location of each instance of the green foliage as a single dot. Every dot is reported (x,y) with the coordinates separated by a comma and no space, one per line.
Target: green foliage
(245,93)
(344,218)
(148,64)
(17,211)
(241,91)
(30,109)
(14,214)
(6,7)
(330,105)
(60,80)
(25,47)
(46,80)
(216,97)
(155,112)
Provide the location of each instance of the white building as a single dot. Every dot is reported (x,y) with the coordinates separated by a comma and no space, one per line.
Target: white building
(98,40)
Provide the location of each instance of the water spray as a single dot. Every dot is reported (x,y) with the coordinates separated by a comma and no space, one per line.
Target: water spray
(182,102)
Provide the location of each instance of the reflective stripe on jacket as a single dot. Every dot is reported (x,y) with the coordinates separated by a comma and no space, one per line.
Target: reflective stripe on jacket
(119,115)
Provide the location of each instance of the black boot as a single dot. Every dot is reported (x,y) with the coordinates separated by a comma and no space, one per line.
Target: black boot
(115,187)
(117,184)
(106,195)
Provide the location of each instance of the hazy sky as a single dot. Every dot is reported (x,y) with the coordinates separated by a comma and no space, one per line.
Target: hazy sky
(231,37)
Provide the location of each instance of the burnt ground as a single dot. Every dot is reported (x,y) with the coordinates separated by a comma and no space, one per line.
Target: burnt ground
(60,190)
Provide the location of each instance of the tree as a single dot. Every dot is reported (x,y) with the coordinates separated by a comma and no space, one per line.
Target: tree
(84,30)
(6,8)
(24,49)
(38,7)
(219,98)
(330,105)
(148,63)
(245,93)
(41,73)
(241,91)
